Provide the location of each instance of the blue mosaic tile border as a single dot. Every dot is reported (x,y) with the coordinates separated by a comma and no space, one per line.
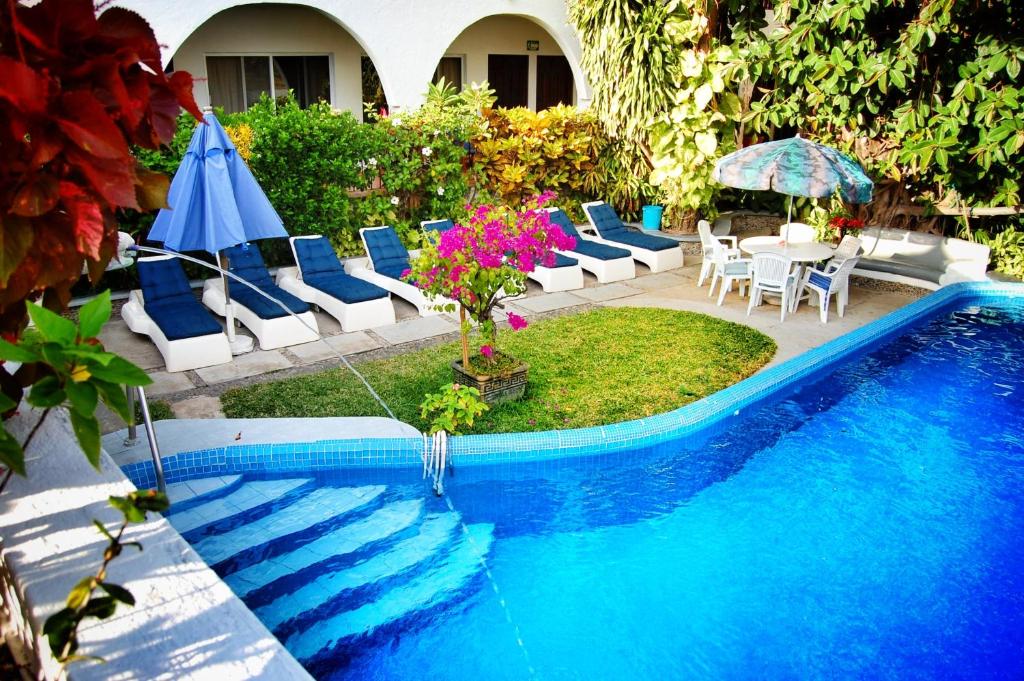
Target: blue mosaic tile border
(688,421)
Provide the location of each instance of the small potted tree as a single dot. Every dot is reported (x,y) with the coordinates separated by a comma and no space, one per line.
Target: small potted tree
(478,265)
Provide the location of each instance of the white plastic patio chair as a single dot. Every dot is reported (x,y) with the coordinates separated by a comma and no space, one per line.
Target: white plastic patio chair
(707,240)
(773,274)
(827,284)
(728,269)
(798,232)
(848,248)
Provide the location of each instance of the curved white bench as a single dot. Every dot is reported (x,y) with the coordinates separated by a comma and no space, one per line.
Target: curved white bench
(919,259)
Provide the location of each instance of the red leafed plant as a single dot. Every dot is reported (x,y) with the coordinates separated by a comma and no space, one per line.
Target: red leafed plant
(77,89)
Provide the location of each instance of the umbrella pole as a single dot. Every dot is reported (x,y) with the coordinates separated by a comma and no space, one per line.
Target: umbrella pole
(239,344)
(789,218)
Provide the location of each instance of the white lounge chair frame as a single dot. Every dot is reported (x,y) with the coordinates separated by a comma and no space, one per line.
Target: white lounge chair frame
(271,333)
(657,261)
(352,316)
(606,271)
(182,354)
(553,279)
(362,268)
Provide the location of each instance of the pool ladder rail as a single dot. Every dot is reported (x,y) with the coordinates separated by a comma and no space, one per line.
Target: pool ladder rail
(436,460)
(147,421)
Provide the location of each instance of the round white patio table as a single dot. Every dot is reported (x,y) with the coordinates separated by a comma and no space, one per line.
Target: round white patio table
(800,252)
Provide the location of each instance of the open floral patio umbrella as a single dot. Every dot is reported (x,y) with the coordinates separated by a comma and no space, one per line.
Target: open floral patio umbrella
(796,167)
(215,203)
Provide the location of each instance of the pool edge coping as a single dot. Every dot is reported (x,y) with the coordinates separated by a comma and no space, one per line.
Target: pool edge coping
(688,420)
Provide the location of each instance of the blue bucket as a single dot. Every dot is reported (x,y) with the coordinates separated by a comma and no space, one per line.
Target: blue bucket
(652,216)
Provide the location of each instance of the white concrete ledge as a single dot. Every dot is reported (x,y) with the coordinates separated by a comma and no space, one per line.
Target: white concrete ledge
(186,624)
(175,436)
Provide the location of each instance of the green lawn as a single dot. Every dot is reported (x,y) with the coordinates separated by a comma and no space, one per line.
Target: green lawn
(589,369)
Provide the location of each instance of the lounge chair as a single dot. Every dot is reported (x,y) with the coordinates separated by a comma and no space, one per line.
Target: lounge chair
(834,282)
(272,326)
(436,225)
(565,275)
(166,310)
(658,253)
(320,279)
(387,258)
(607,263)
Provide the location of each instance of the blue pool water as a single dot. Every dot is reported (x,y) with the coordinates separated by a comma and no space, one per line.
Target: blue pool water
(869,525)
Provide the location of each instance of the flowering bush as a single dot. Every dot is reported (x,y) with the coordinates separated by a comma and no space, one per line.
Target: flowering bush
(484,261)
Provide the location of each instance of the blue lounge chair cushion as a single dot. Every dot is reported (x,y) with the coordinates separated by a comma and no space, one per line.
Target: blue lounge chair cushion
(439,226)
(819,281)
(247,263)
(611,228)
(316,256)
(644,241)
(169,302)
(344,287)
(584,247)
(322,270)
(388,255)
(563,261)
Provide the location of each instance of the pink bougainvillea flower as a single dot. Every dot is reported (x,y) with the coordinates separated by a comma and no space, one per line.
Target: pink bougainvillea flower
(487,351)
(405,273)
(516,322)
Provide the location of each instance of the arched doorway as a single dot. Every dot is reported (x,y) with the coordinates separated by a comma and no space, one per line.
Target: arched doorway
(520,60)
(245,51)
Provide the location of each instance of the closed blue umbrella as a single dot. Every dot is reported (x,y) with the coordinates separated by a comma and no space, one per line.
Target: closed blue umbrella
(215,202)
(796,167)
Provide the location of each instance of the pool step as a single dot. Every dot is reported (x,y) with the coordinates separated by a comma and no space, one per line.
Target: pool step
(379,525)
(247,497)
(319,506)
(435,532)
(430,589)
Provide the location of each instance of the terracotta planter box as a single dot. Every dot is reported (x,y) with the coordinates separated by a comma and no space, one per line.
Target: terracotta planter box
(494,389)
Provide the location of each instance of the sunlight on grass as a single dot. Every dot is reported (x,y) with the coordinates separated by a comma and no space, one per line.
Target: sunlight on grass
(590,369)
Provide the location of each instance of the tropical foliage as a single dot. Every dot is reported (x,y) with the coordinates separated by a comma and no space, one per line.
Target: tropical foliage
(926,95)
(77,89)
(521,153)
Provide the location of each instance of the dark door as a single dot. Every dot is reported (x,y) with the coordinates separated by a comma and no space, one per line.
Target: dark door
(554,82)
(507,74)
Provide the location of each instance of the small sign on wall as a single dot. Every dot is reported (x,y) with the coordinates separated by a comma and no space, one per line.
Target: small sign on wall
(532,45)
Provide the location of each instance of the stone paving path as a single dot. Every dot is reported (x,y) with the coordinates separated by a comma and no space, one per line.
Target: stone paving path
(194,394)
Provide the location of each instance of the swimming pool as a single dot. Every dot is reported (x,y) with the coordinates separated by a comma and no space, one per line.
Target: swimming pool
(868,524)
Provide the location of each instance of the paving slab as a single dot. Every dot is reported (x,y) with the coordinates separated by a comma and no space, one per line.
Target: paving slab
(201,407)
(136,348)
(655,282)
(606,292)
(417,328)
(165,383)
(329,347)
(549,302)
(243,366)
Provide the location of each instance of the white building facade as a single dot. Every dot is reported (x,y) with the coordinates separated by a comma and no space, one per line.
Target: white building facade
(322,49)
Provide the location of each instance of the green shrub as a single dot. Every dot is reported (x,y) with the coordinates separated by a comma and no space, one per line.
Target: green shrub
(522,153)
(1007,250)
